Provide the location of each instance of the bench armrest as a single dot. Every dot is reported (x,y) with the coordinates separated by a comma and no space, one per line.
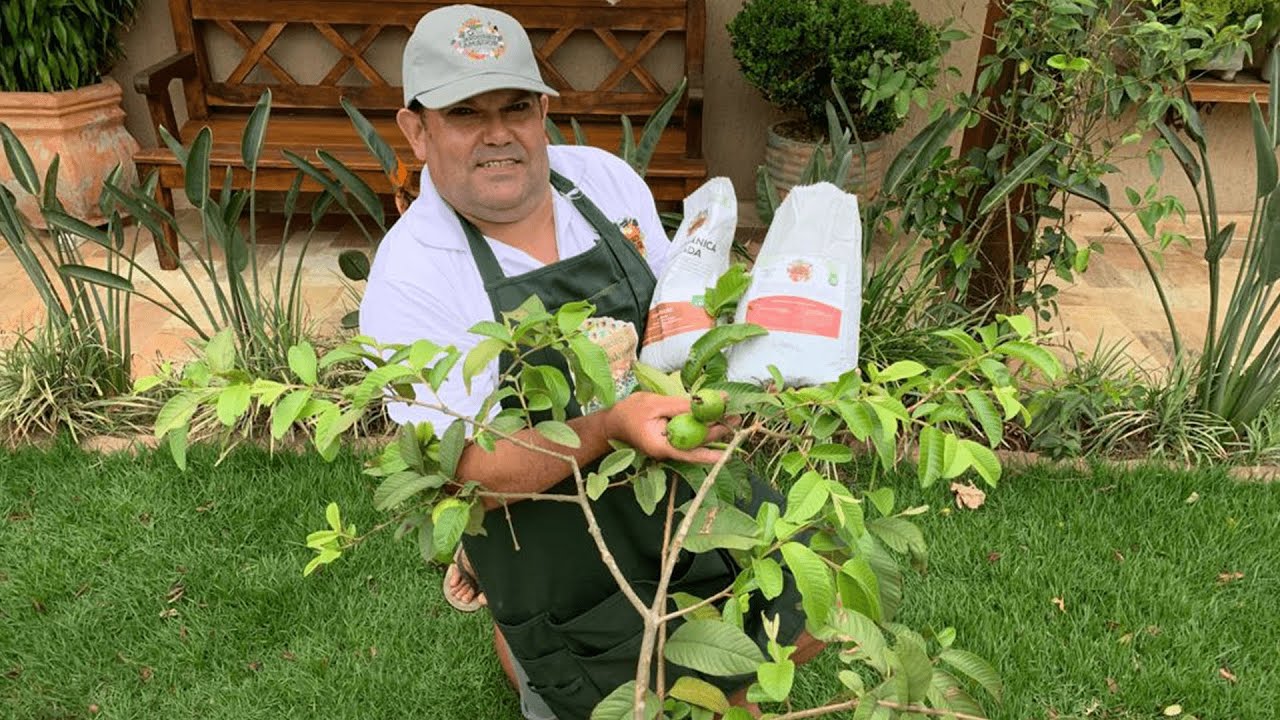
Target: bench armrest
(155,80)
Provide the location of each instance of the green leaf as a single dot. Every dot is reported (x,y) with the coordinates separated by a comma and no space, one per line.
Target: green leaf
(859,587)
(449,519)
(987,415)
(713,647)
(233,402)
(595,363)
(426,540)
(196,169)
(1033,355)
(559,433)
(1180,150)
(721,526)
(220,351)
(402,486)
(975,668)
(19,161)
(900,535)
(617,461)
(97,276)
(621,704)
(1264,152)
(882,499)
(912,159)
(853,626)
(286,412)
(728,290)
(776,679)
(255,131)
(333,515)
(813,580)
(806,498)
(596,485)
(176,412)
(654,380)
(768,576)
(409,448)
(832,453)
(712,342)
(479,358)
(650,486)
(377,145)
(452,443)
(178,446)
(267,391)
(997,194)
(302,361)
(700,693)
(931,463)
(915,671)
(984,461)
(357,187)
(901,370)
(653,128)
(570,316)
(354,265)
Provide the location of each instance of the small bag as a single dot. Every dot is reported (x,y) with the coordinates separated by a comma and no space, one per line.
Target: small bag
(677,314)
(806,290)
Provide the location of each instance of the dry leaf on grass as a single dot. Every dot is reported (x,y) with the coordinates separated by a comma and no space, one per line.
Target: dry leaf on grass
(1112,687)
(968,497)
(255,666)
(1229,577)
(1173,711)
(1062,605)
(1227,675)
(145,673)
(175,593)
(288,655)
(994,557)
(170,613)
(1192,499)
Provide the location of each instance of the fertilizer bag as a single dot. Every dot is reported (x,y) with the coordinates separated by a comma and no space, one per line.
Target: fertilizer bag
(806,290)
(700,255)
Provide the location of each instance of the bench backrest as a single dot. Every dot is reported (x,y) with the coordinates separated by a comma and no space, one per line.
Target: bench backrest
(628,44)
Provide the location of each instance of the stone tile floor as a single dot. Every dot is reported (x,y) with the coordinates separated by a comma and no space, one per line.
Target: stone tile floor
(1113,302)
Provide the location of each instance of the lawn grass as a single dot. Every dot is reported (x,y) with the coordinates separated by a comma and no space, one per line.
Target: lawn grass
(91,547)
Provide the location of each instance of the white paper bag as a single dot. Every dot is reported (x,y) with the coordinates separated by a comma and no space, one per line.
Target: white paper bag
(700,255)
(806,290)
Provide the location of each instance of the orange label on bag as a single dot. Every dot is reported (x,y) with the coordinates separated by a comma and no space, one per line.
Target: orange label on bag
(787,313)
(675,318)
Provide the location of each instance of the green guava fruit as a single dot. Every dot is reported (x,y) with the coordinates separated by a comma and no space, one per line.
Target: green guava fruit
(685,432)
(708,405)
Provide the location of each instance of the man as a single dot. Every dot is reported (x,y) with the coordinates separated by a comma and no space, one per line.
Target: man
(502,216)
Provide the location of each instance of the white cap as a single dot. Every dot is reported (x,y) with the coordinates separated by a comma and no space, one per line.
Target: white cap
(461,51)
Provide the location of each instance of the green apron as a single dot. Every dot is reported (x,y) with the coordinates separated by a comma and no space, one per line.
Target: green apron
(560,610)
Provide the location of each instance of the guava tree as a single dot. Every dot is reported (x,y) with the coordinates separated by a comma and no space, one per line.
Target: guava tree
(840,536)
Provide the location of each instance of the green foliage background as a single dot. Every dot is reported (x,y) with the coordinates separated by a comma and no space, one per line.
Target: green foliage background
(52,45)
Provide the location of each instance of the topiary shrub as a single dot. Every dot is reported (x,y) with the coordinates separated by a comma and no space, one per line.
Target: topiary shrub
(880,57)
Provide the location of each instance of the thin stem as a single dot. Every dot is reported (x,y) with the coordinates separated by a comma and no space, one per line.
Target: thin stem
(888,705)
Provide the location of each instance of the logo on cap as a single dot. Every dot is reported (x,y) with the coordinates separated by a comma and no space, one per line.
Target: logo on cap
(478,40)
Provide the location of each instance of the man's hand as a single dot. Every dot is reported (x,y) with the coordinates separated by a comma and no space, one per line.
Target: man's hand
(640,420)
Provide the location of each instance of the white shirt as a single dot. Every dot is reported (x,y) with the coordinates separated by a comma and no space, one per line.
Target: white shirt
(424,283)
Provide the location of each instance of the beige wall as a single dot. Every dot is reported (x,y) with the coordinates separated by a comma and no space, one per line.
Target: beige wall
(735,115)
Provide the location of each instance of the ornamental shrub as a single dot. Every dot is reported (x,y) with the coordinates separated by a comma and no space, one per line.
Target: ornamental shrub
(880,57)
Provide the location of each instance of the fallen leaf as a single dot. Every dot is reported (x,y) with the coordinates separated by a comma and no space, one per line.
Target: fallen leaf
(1173,711)
(17,516)
(1192,499)
(373,652)
(1112,687)
(13,672)
(1153,630)
(1112,624)
(994,557)
(175,593)
(1053,713)
(968,496)
(145,673)
(1228,577)
(1126,638)
(255,666)
(206,507)
(182,632)
(1227,675)
(1119,556)
(82,590)
(1093,707)
(288,656)
(38,605)
(1062,605)
(169,613)
(93,709)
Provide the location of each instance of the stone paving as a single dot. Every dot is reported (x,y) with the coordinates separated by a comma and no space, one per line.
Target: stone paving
(1114,301)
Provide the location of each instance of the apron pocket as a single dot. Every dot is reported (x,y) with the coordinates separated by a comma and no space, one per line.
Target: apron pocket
(532,638)
(609,622)
(559,681)
(613,667)
(705,575)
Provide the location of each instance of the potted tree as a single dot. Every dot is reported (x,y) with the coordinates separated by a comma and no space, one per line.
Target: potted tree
(880,57)
(56,97)
(1239,13)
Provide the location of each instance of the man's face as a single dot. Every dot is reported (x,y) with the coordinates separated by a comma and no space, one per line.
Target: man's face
(487,155)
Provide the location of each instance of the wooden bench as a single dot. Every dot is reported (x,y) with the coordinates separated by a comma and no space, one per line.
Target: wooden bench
(307,115)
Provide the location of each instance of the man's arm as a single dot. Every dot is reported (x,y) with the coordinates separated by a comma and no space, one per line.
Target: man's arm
(639,420)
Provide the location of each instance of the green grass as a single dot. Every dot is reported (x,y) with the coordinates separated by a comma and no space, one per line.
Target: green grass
(90,547)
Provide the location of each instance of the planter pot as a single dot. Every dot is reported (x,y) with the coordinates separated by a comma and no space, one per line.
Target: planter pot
(85,128)
(1225,64)
(786,159)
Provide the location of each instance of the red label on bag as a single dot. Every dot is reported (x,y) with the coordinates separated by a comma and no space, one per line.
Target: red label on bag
(787,313)
(675,318)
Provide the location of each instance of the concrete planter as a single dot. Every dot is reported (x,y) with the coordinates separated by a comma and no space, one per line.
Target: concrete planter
(786,158)
(85,128)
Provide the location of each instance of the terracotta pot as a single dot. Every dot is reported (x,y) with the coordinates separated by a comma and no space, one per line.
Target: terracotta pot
(85,128)
(786,159)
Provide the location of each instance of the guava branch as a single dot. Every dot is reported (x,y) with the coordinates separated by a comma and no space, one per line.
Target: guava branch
(889,705)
